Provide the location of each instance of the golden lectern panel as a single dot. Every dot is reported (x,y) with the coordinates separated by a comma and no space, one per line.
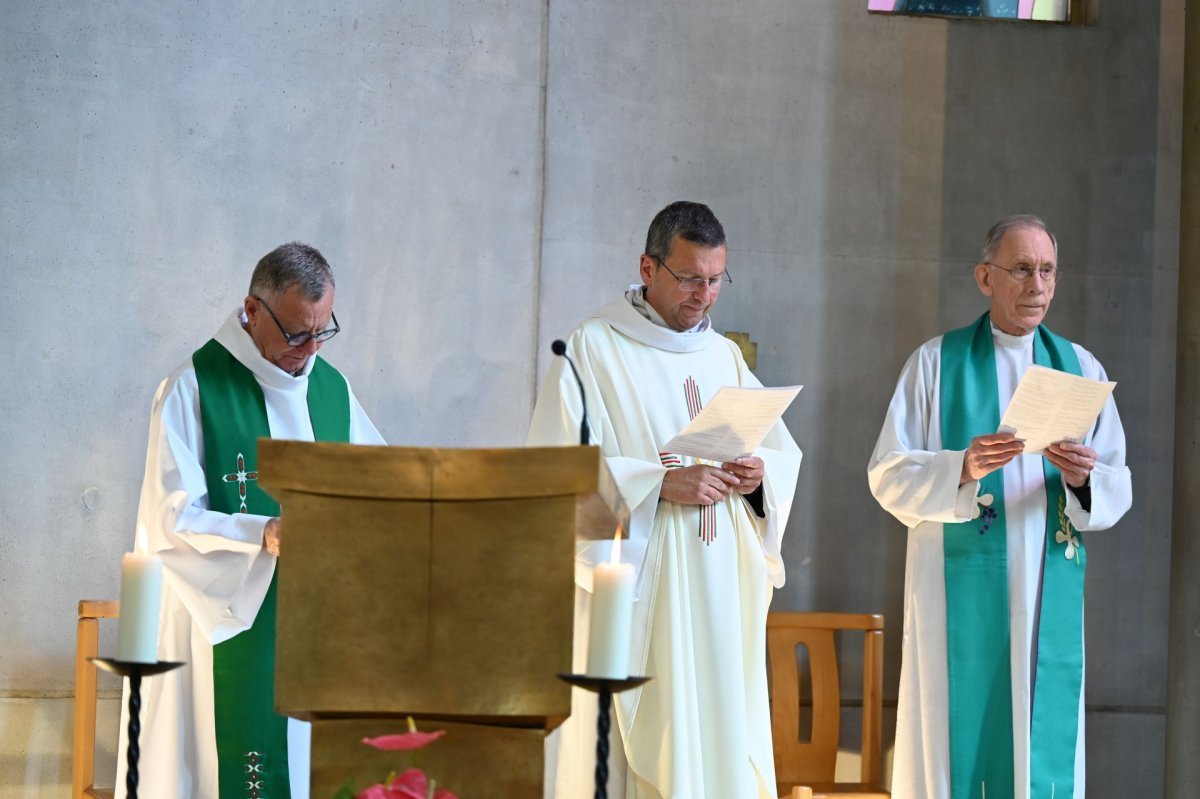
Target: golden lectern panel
(431,582)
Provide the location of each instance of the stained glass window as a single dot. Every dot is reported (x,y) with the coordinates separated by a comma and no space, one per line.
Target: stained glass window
(1046,10)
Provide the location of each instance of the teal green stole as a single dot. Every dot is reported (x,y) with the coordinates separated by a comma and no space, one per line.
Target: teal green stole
(251,736)
(977,616)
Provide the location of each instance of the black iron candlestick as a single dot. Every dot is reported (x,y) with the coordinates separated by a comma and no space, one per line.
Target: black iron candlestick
(135,672)
(604,688)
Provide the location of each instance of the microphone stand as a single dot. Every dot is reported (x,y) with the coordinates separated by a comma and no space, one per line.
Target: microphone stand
(559,347)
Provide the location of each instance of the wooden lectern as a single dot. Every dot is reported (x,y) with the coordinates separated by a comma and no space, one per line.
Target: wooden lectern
(436,583)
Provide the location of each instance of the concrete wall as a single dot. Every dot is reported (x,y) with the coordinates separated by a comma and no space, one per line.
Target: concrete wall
(150,155)
(856,162)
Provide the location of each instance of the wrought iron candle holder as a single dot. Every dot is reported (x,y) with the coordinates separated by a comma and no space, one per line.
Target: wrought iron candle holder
(134,672)
(604,688)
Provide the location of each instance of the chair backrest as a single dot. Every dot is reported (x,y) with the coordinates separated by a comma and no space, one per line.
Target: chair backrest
(815,760)
(87,642)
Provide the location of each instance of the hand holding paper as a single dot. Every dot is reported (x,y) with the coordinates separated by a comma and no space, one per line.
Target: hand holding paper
(734,423)
(1075,461)
(699,484)
(988,453)
(749,471)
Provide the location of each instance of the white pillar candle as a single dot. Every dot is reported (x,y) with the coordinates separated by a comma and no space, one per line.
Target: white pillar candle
(611,617)
(141,595)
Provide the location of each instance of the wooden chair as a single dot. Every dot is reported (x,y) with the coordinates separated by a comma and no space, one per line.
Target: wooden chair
(87,642)
(812,763)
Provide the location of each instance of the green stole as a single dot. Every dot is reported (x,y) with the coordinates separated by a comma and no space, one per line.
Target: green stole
(251,736)
(977,616)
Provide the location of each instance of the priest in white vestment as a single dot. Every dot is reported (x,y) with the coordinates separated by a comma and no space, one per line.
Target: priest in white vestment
(219,566)
(704,539)
(994,709)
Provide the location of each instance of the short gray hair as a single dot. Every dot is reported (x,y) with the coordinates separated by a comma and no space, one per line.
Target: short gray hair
(991,242)
(694,222)
(288,266)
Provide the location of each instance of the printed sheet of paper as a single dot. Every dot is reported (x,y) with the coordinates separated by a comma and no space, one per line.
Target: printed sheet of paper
(1050,406)
(734,423)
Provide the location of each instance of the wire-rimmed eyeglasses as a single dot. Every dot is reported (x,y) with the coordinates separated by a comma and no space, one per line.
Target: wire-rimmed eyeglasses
(697,283)
(1022,272)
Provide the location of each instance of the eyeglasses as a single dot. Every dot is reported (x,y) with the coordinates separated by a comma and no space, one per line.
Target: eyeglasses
(300,339)
(1022,272)
(697,283)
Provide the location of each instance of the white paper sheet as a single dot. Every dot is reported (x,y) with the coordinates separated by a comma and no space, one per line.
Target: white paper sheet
(734,423)
(1050,406)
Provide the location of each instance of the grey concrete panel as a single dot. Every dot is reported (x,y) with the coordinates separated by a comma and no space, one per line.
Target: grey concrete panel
(152,153)
(1183,675)
(35,762)
(1125,754)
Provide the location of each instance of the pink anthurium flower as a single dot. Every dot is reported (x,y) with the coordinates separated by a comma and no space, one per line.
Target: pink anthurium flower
(379,791)
(403,741)
(412,783)
(413,739)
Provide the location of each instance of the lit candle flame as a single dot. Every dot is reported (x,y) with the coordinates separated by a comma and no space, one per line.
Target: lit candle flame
(615,557)
(140,544)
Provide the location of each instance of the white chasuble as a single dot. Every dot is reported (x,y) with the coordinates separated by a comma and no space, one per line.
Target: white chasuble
(216,572)
(701,728)
(916,481)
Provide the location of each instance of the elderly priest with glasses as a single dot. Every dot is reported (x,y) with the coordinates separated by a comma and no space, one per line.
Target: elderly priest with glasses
(209,729)
(991,683)
(704,537)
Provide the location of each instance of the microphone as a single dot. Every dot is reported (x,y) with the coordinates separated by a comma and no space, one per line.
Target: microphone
(559,347)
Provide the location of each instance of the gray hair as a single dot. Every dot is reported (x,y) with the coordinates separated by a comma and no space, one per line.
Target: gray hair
(991,242)
(692,222)
(289,266)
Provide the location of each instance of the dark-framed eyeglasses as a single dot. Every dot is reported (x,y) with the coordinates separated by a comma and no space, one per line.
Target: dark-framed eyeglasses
(300,339)
(697,283)
(1022,272)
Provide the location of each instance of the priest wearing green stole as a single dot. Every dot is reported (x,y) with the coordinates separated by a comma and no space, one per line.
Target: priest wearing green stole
(209,730)
(991,699)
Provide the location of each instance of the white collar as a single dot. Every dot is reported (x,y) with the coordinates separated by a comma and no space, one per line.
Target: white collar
(1011,341)
(626,319)
(235,338)
(636,294)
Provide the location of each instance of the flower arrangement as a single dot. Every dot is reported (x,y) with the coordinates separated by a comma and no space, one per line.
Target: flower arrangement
(412,783)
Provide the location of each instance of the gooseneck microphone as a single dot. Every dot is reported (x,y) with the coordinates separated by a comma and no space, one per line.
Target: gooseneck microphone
(559,347)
